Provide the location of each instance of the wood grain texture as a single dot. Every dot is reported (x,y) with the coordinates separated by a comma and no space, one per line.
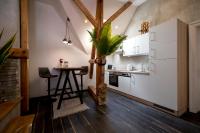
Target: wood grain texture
(118,12)
(7,107)
(24,62)
(120,115)
(194,66)
(183,67)
(20,124)
(19,53)
(86,12)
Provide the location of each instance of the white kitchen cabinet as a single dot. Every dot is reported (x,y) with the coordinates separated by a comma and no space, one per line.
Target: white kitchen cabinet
(163,50)
(168,66)
(163,83)
(124,84)
(165,32)
(106,78)
(140,86)
(128,47)
(136,46)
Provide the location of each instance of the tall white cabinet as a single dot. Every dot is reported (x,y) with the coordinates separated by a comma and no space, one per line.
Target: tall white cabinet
(168,65)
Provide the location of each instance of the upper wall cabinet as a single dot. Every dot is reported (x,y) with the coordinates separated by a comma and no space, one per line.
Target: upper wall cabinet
(136,46)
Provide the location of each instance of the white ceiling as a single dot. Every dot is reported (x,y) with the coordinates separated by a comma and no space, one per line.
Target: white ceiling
(135,2)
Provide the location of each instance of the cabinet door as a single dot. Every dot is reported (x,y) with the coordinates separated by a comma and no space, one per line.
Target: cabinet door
(140,86)
(128,47)
(124,84)
(163,50)
(165,32)
(106,76)
(163,82)
(144,44)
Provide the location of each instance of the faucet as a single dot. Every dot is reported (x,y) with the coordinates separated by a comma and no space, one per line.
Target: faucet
(143,68)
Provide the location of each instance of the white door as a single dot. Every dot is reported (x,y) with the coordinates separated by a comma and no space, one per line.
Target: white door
(163,82)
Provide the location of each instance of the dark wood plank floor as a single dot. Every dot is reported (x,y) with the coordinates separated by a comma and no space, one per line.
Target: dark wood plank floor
(119,115)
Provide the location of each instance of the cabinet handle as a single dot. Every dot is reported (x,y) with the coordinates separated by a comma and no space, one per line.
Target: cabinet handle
(152,36)
(152,67)
(152,53)
(133,80)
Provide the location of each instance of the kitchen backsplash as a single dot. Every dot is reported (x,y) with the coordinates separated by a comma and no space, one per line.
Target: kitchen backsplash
(120,62)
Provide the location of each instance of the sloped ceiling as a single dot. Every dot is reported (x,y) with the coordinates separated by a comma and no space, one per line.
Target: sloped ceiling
(110,6)
(79,28)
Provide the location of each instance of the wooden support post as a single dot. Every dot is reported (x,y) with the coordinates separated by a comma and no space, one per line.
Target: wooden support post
(99,68)
(24,62)
(99,93)
(19,53)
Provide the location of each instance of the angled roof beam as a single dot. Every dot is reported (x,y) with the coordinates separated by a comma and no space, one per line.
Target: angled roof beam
(86,12)
(118,12)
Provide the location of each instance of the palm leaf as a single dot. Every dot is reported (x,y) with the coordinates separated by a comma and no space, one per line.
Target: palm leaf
(115,43)
(93,36)
(4,51)
(106,31)
(1,34)
(106,44)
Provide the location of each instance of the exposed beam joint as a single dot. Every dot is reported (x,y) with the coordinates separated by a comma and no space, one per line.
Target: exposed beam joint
(118,12)
(86,12)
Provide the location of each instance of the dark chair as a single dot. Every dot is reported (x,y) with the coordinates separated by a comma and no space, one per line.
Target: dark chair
(45,73)
(82,72)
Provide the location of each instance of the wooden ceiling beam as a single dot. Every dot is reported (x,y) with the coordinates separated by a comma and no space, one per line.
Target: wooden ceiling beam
(86,12)
(118,12)
(19,53)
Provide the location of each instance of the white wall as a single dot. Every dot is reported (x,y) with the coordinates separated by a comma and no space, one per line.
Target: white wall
(10,20)
(47,29)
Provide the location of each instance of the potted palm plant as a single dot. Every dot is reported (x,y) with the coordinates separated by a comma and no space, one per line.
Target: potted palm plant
(5,50)
(5,53)
(106,44)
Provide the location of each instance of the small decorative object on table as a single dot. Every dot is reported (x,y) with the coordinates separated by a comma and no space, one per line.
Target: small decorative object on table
(66,63)
(60,62)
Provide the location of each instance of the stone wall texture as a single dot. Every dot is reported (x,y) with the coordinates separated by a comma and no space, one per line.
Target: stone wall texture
(159,11)
(9,79)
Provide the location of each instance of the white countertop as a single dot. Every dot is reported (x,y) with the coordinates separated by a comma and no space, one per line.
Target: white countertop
(134,72)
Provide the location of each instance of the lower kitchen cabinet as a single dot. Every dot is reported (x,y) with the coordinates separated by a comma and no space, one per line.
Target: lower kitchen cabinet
(140,86)
(163,83)
(124,84)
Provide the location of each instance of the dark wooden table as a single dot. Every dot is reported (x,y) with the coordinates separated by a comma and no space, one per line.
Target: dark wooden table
(78,92)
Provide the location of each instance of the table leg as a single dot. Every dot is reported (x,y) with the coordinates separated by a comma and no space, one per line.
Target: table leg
(76,83)
(58,83)
(63,90)
(70,86)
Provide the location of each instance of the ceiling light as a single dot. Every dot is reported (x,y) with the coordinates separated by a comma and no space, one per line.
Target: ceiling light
(67,39)
(116,27)
(85,21)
